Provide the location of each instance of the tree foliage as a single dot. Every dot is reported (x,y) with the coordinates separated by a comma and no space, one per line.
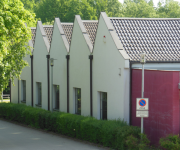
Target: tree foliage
(47,10)
(171,9)
(14,37)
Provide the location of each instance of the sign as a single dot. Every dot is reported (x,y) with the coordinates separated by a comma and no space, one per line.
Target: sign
(142,113)
(142,103)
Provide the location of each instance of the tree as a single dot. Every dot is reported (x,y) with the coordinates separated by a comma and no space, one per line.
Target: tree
(14,37)
(171,9)
(139,9)
(47,10)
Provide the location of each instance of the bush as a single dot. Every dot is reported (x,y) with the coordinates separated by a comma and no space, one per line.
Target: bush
(171,142)
(137,143)
(112,133)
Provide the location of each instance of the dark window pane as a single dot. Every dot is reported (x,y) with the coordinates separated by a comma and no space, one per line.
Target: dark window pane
(103,101)
(78,101)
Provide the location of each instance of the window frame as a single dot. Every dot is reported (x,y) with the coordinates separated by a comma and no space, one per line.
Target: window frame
(77,103)
(103,98)
(56,99)
(23,91)
(39,94)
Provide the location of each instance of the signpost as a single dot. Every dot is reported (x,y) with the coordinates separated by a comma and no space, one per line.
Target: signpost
(142,104)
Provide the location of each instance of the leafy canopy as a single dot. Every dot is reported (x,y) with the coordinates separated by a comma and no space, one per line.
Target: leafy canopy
(14,38)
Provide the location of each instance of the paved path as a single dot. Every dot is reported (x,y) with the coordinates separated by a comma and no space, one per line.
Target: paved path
(17,137)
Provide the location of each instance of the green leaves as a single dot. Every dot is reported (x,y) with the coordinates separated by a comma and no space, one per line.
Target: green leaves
(13,40)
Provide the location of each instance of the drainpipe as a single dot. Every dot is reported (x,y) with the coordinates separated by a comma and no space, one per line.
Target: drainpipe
(130,89)
(48,56)
(18,91)
(31,80)
(91,99)
(10,91)
(67,57)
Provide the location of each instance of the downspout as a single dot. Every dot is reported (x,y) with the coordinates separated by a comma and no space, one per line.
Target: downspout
(10,90)
(91,99)
(67,57)
(130,89)
(18,91)
(31,80)
(48,56)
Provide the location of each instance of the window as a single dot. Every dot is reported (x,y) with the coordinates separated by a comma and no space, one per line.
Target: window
(23,91)
(56,96)
(78,101)
(103,105)
(39,93)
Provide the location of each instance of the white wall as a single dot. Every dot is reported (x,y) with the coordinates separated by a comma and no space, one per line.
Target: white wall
(107,62)
(79,70)
(26,75)
(58,51)
(40,68)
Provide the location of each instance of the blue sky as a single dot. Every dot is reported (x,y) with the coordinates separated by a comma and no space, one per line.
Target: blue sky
(155,2)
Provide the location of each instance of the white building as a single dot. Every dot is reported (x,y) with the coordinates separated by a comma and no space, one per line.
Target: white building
(59,51)
(80,50)
(110,74)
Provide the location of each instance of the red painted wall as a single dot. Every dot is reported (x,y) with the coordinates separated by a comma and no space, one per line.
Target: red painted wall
(161,87)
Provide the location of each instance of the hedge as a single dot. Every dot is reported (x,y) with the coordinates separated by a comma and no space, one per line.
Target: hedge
(111,133)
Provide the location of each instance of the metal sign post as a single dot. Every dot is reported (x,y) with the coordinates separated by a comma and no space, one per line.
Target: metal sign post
(143,60)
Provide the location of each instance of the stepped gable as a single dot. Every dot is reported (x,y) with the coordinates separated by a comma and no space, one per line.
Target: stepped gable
(49,31)
(91,28)
(33,31)
(67,27)
(158,38)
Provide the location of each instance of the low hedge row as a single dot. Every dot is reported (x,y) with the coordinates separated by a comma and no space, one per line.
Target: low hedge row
(111,133)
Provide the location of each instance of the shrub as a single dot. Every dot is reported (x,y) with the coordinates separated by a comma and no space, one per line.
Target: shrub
(171,142)
(137,143)
(112,133)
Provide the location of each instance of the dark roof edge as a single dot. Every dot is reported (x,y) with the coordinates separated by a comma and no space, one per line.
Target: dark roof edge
(144,18)
(135,62)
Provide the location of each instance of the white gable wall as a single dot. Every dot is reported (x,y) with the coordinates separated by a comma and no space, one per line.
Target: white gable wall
(40,68)
(58,51)
(79,65)
(107,63)
(26,75)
